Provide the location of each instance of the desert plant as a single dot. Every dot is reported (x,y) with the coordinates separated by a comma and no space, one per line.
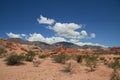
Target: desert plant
(115,64)
(2,52)
(115,75)
(14,59)
(60,58)
(43,56)
(79,58)
(68,68)
(36,63)
(29,56)
(91,62)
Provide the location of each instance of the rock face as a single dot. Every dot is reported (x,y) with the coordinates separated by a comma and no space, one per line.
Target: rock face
(115,49)
(63,50)
(12,47)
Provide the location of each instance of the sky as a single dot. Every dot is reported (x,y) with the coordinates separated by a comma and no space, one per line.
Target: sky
(83,22)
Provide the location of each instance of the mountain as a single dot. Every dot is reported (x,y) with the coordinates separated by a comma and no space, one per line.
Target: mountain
(44,45)
(66,44)
(36,43)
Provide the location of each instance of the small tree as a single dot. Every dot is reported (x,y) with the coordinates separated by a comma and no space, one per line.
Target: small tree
(14,59)
(91,62)
(29,56)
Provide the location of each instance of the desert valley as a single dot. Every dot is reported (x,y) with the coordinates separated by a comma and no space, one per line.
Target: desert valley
(24,60)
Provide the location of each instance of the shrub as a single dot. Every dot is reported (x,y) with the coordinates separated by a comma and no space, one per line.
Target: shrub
(68,68)
(91,62)
(79,58)
(115,65)
(14,59)
(2,52)
(29,56)
(43,56)
(60,58)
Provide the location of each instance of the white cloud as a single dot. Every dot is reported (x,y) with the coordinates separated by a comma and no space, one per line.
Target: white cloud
(92,35)
(23,35)
(50,40)
(66,29)
(44,20)
(35,37)
(39,37)
(12,35)
(84,33)
(89,43)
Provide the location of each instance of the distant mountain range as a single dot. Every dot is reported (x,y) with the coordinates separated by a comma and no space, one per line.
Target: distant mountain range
(44,45)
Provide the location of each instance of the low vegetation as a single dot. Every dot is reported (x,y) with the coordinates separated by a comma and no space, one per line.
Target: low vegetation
(91,62)
(43,56)
(29,56)
(60,58)
(115,75)
(2,52)
(14,59)
(68,68)
(115,64)
(79,58)
(36,63)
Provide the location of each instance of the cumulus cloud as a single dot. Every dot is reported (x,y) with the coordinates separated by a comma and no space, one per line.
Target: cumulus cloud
(89,43)
(44,20)
(23,35)
(66,29)
(92,35)
(12,35)
(70,32)
(39,37)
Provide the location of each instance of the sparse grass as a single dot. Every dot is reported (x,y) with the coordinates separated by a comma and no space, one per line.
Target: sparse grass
(2,52)
(115,64)
(91,62)
(14,59)
(104,60)
(36,63)
(115,75)
(68,68)
(60,58)
(29,56)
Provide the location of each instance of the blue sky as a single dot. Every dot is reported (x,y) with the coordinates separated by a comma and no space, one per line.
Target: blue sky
(95,22)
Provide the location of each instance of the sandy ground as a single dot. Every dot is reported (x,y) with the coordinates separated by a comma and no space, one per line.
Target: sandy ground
(49,70)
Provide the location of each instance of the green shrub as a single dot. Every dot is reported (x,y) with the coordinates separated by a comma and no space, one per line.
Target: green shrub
(91,62)
(79,58)
(29,56)
(14,59)
(43,56)
(60,58)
